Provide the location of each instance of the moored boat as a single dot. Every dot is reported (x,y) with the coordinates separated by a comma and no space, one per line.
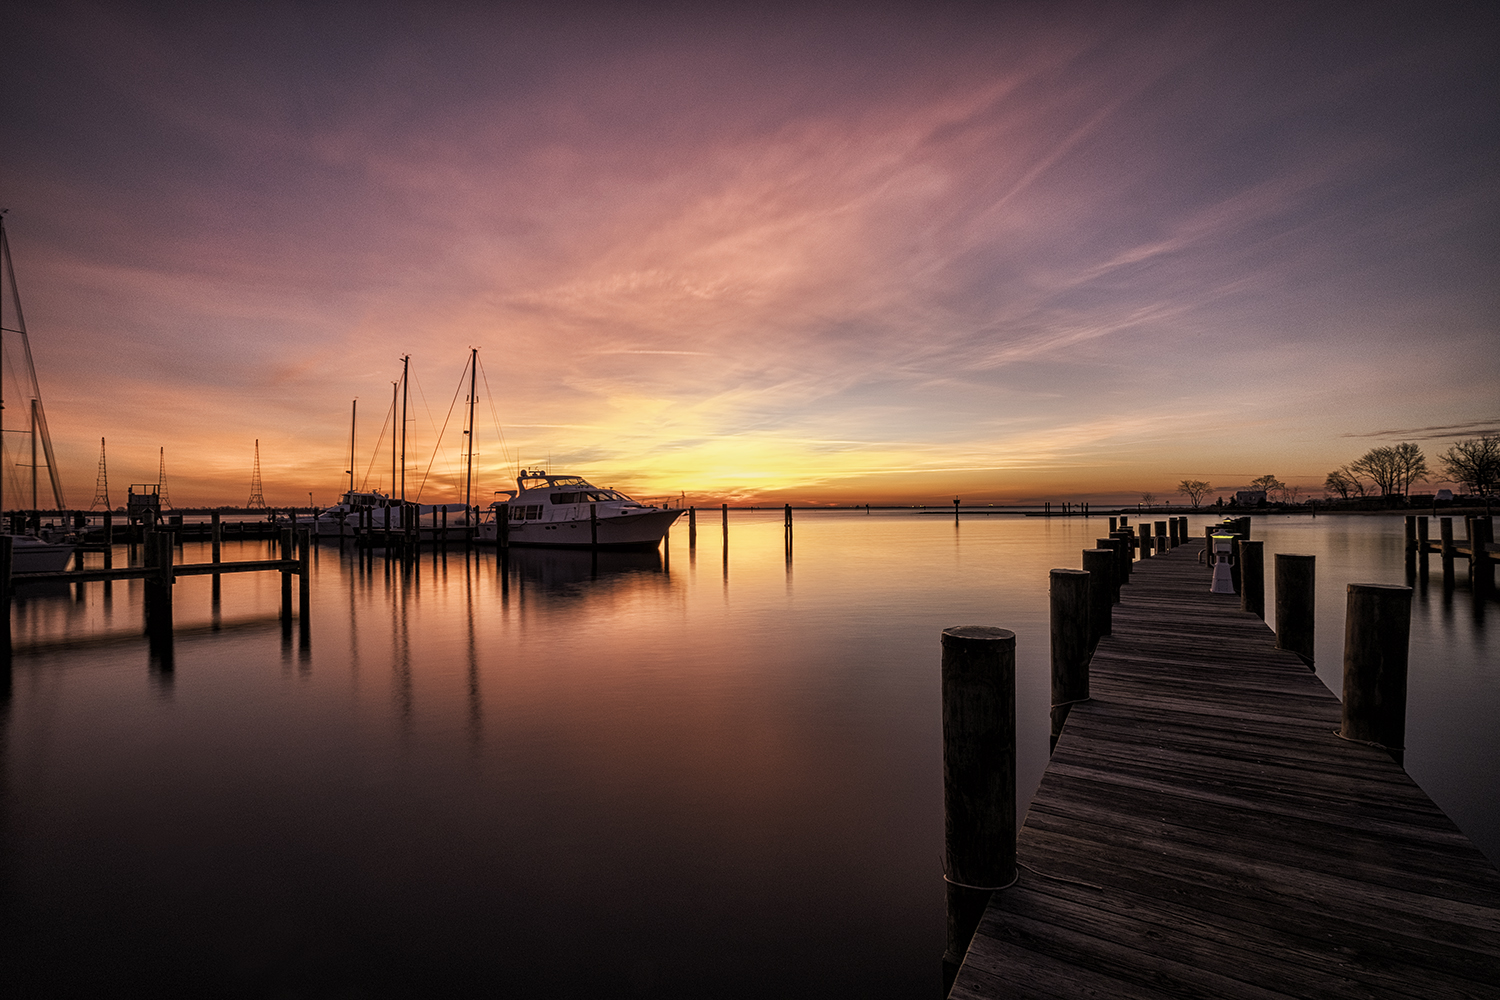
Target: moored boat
(570,512)
(378,512)
(30,554)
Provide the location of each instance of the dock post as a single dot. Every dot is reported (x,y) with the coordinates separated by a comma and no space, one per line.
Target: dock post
(725,509)
(1145,530)
(216,533)
(1445,533)
(1112,546)
(594,526)
(158,591)
(304,587)
(286,580)
(692,527)
(979,778)
(109,528)
(1377,634)
(1114,524)
(1295,576)
(1162,543)
(1071,628)
(502,527)
(1100,565)
(1411,545)
(7,557)
(1423,543)
(1481,563)
(1123,537)
(1252,560)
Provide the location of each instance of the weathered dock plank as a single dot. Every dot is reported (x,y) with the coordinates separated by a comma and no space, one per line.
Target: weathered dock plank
(1202,831)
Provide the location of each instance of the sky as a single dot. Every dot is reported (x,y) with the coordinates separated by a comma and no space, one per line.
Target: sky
(805,253)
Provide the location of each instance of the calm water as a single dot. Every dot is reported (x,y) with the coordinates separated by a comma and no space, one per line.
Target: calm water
(695,776)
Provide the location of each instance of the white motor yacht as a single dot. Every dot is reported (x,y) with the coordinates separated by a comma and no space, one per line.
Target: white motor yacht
(569,511)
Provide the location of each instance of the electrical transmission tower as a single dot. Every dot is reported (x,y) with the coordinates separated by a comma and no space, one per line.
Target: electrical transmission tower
(257,495)
(101,488)
(161,482)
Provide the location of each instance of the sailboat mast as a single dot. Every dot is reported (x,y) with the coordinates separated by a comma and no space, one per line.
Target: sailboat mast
(405,370)
(469,482)
(353,412)
(33,456)
(395,387)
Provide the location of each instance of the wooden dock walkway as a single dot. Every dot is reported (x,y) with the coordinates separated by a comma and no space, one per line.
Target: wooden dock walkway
(1201,832)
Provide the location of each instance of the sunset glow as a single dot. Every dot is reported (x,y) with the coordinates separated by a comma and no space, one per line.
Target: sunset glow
(838,255)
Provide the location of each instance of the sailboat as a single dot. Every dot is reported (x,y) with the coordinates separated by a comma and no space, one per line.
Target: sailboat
(30,554)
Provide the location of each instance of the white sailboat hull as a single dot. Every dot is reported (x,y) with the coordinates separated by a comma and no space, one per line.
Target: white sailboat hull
(32,555)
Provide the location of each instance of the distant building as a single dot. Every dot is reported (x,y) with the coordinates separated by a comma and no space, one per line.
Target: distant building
(1249,498)
(1444,495)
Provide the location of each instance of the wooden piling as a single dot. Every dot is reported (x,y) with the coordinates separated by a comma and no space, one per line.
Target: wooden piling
(1377,632)
(1162,543)
(1123,537)
(1100,564)
(1114,524)
(286,579)
(7,558)
(1445,532)
(1422,545)
(725,509)
(1481,562)
(1295,575)
(1071,627)
(1145,530)
(216,533)
(692,527)
(594,526)
(1411,545)
(1252,559)
(1112,545)
(979,777)
(502,527)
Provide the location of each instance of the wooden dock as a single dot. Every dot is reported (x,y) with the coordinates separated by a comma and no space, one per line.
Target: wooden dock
(1202,832)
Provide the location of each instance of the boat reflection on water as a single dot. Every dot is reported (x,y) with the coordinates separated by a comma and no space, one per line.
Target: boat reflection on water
(565,569)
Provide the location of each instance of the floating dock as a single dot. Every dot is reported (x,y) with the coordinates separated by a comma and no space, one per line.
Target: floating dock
(1202,831)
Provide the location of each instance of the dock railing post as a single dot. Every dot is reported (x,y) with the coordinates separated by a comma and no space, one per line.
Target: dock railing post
(1071,630)
(1112,546)
(1252,560)
(1445,533)
(7,557)
(1145,529)
(979,778)
(1162,543)
(1123,537)
(1295,577)
(1423,543)
(1100,565)
(286,579)
(1481,562)
(1377,633)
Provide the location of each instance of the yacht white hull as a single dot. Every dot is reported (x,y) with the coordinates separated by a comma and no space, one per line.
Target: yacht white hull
(642,530)
(32,555)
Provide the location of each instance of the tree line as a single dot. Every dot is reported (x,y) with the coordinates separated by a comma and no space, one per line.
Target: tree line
(1389,470)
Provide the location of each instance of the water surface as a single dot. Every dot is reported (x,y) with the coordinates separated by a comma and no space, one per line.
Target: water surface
(686,774)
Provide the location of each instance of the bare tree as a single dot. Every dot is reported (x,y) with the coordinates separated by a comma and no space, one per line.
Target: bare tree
(1394,469)
(1339,482)
(1474,464)
(1269,483)
(1194,489)
(1147,499)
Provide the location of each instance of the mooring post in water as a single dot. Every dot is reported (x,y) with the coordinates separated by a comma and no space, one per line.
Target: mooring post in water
(1112,546)
(1071,626)
(502,527)
(1481,563)
(1411,547)
(725,509)
(158,589)
(1377,633)
(1100,565)
(979,778)
(692,527)
(1445,534)
(1295,576)
(1423,543)
(7,558)
(304,576)
(1252,561)
(286,578)
(216,534)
